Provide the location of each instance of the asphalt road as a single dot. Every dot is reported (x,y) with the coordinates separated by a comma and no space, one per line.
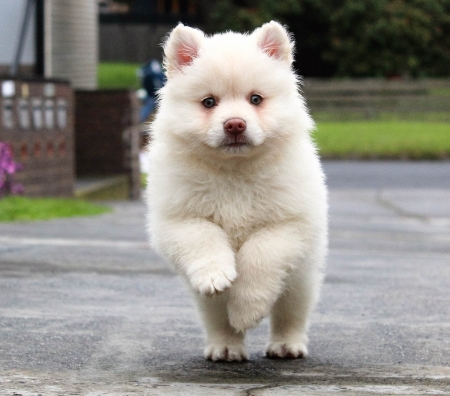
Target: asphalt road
(87,309)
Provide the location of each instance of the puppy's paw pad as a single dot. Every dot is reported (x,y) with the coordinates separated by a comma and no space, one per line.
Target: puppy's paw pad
(213,281)
(286,350)
(226,353)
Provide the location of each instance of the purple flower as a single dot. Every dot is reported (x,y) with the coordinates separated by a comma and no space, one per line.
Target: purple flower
(17,189)
(7,169)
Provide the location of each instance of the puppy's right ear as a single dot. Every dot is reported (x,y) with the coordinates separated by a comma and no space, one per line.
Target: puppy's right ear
(274,40)
(181,48)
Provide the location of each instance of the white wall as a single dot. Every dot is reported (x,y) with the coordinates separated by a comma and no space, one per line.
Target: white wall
(71,41)
(11,17)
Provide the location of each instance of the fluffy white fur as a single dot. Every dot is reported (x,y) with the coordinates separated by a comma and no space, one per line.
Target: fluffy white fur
(245,226)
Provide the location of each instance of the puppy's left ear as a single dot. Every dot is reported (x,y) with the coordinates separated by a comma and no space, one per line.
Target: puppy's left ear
(273,39)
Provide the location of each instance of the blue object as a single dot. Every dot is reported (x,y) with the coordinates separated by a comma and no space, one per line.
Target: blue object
(147,108)
(153,79)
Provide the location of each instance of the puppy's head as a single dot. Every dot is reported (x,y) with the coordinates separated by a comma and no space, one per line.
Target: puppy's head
(233,94)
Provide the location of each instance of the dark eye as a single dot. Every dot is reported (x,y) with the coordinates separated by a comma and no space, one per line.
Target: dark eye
(209,102)
(256,99)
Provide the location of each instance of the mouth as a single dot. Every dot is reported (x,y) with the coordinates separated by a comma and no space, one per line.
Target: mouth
(235,142)
(236,147)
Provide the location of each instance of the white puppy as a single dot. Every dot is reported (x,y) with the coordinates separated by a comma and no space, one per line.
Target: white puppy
(236,193)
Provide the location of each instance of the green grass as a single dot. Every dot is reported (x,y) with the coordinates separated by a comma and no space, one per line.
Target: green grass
(440,91)
(118,75)
(384,140)
(14,208)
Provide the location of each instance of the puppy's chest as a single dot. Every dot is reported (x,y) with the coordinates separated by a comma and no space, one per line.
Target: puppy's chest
(239,206)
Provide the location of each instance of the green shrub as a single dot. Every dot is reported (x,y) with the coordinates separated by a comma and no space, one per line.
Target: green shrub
(390,38)
(353,38)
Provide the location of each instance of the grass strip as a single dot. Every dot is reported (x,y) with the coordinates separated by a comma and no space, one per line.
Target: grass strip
(14,208)
(114,75)
(383,140)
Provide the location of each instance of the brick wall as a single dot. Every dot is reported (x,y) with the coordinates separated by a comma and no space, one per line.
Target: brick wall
(107,135)
(36,119)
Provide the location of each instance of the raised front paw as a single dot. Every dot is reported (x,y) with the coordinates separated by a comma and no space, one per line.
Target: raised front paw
(212,280)
(226,353)
(286,350)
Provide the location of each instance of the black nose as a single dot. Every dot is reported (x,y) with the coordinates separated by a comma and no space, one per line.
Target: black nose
(235,126)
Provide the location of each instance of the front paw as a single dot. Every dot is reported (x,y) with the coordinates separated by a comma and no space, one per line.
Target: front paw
(226,353)
(213,280)
(286,350)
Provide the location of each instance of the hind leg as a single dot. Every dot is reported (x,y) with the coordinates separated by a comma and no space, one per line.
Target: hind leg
(289,317)
(223,342)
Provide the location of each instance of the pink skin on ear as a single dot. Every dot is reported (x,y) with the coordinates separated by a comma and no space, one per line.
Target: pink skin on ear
(270,46)
(186,54)
(274,40)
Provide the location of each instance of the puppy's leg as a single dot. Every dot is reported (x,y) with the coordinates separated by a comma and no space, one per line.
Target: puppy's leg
(263,263)
(223,342)
(290,313)
(200,251)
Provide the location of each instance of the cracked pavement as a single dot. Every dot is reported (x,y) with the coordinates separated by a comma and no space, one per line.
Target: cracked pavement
(87,309)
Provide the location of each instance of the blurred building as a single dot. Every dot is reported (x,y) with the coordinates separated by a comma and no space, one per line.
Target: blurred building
(112,7)
(11,17)
(60,39)
(47,48)
(132,31)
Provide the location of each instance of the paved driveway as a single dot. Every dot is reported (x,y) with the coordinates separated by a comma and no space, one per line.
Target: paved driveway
(87,309)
